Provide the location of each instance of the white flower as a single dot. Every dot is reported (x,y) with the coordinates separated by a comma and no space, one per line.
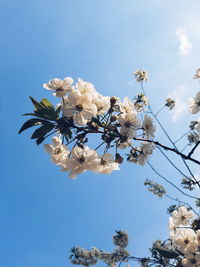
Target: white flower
(61,87)
(197,74)
(141,75)
(191,260)
(102,103)
(198,236)
(124,143)
(140,102)
(81,160)
(182,216)
(172,227)
(194,104)
(140,154)
(59,153)
(186,240)
(129,124)
(79,106)
(121,239)
(127,105)
(170,103)
(105,164)
(85,87)
(197,126)
(145,150)
(149,127)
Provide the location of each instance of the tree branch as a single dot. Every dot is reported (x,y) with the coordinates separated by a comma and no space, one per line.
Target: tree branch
(183,156)
(192,151)
(161,176)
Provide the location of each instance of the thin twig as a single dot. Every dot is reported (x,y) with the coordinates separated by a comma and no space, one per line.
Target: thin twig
(181,137)
(99,145)
(169,138)
(160,110)
(161,176)
(183,156)
(180,201)
(174,164)
(192,151)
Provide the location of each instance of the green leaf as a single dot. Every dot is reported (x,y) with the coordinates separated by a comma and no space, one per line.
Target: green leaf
(38,107)
(49,108)
(46,103)
(30,123)
(39,140)
(44,108)
(169,254)
(58,110)
(46,117)
(42,131)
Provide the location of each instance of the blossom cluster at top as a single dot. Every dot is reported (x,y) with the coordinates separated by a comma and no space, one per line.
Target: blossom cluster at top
(184,232)
(85,111)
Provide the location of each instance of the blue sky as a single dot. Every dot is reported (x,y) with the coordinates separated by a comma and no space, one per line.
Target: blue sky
(43,212)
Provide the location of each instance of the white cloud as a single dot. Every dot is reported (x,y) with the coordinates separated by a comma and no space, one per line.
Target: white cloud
(185,46)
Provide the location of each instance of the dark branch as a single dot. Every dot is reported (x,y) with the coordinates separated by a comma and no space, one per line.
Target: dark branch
(192,151)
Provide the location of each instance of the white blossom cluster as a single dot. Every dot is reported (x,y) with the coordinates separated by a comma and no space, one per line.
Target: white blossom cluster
(197,74)
(194,102)
(80,159)
(141,75)
(85,257)
(120,239)
(140,154)
(170,103)
(195,107)
(185,237)
(140,102)
(89,112)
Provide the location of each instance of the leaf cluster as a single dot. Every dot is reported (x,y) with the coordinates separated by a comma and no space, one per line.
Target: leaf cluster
(46,117)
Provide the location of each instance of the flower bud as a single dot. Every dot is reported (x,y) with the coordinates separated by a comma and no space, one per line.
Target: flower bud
(113,100)
(118,158)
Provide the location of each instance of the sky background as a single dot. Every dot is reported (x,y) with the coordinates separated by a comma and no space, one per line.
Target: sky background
(43,213)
